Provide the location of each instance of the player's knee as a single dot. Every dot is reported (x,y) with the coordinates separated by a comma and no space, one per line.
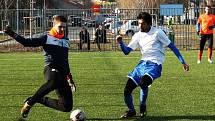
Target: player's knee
(67,108)
(130,86)
(145,81)
(127,92)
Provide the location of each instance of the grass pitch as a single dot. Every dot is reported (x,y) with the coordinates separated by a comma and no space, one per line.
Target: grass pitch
(100,79)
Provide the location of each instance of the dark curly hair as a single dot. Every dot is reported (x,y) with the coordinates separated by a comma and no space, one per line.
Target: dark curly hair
(146,17)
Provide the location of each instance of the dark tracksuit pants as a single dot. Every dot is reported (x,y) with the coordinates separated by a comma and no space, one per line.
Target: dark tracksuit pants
(204,38)
(58,82)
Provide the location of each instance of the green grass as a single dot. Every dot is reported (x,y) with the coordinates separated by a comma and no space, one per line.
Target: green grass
(100,79)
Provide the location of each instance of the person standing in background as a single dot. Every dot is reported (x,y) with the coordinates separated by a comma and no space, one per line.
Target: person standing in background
(204,28)
(84,38)
(100,36)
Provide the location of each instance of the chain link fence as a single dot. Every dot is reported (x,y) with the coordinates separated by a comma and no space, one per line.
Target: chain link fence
(34,23)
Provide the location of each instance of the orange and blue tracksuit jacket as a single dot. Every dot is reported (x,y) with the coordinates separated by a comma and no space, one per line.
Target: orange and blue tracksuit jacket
(203,23)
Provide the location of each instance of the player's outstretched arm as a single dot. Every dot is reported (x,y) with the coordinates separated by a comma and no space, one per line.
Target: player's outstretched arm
(31,42)
(10,32)
(126,50)
(178,54)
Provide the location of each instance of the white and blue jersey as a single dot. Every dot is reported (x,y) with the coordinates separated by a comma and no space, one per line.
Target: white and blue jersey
(152,46)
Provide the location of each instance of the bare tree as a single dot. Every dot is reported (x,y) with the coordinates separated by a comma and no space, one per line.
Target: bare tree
(5,4)
(86,3)
(1,4)
(11,4)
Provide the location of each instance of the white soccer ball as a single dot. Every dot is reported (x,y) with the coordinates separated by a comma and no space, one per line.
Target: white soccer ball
(77,115)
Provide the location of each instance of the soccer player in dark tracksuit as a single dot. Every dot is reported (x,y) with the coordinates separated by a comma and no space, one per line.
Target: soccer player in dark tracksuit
(56,71)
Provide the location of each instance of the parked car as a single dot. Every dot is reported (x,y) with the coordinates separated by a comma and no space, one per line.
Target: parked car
(129,27)
(100,18)
(115,27)
(104,18)
(110,20)
(89,23)
(74,21)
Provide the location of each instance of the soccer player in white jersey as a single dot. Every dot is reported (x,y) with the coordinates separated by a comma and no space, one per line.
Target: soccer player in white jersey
(151,42)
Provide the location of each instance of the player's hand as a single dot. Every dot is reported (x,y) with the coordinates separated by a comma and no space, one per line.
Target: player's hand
(9,31)
(186,67)
(198,33)
(210,27)
(71,82)
(119,38)
(72,85)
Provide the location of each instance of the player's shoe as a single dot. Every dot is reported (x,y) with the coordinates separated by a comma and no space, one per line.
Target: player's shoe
(210,61)
(143,111)
(128,114)
(25,109)
(198,61)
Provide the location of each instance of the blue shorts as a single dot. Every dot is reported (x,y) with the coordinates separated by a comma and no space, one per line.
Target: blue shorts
(145,68)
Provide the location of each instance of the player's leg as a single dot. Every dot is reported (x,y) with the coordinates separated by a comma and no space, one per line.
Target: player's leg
(143,98)
(80,44)
(51,75)
(29,102)
(210,48)
(151,72)
(145,82)
(98,43)
(88,44)
(65,99)
(130,86)
(202,45)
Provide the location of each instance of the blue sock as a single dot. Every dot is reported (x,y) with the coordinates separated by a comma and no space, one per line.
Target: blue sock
(129,102)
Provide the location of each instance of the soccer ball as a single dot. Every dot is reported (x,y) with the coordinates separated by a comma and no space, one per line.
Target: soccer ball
(77,115)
